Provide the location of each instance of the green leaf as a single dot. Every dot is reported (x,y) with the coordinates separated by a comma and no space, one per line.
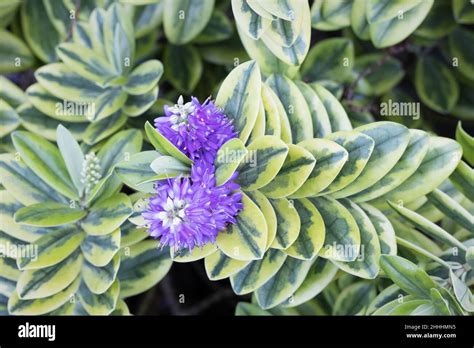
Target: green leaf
(272,116)
(85,62)
(39,31)
(440,161)
(44,282)
(11,93)
(366,265)
(438,23)
(102,304)
(288,223)
(359,22)
(285,126)
(411,159)
(146,18)
(251,23)
(218,28)
(389,294)
(247,238)
(72,156)
(467,143)
(289,40)
(382,10)
(100,279)
(463,178)
(263,161)
(121,308)
(65,84)
(99,250)
(330,158)
(110,101)
(144,77)
(14,54)
(118,38)
(359,147)
(57,108)
(258,272)
(295,170)
(319,115)
(331,15)
(48,214)
(336,113)
(295,106)
(343,237)
(284,32)
(408,276)
(249,309)
(330,59)
(460,49)
(9,119)
(131,234)
(119,147)
(8,11)
(45,160)
(284,283)
(319,276)
(426,226)
(7,287)
(228,158)
(198,253)
(462,292)
(43,125)
(440,304)
(263,10)
(219,266)
(137,170)
(380,74)
(40,306)
(463,11)
(312,232)
(15,233)
(107,215)
(136,105)
(444,97)
(163,145)
(168,167)
(452,209)
(141,267)
(102,129)
(354,299)
(391,140)
(183,67)
(268,212)
(390,28)
(53,248)
(239,97)
(267,61)
(259,127)
(9,269)
(184,19)
(384,229)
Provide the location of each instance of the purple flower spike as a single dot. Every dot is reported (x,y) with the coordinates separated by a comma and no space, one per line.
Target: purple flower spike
(191,211)
(198,130)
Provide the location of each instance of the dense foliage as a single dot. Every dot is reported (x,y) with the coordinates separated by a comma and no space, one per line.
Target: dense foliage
(341,182)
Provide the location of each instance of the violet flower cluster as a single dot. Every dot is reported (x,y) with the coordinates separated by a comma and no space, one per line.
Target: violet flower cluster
(191,211)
